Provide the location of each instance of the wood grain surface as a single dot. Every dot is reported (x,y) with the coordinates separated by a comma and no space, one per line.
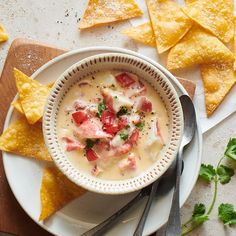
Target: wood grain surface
(27,56)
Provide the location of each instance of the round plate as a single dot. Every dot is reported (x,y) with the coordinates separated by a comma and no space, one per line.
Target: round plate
(24,175)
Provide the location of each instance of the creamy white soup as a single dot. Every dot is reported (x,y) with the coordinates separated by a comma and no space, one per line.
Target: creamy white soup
(112,125)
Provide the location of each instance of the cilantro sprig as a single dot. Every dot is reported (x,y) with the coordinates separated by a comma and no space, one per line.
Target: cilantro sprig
(220,174)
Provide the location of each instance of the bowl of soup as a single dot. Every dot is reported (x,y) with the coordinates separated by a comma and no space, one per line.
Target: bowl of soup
(113,123)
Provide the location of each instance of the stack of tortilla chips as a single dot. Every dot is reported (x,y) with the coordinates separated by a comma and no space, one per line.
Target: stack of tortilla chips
(25,137)
(195,34)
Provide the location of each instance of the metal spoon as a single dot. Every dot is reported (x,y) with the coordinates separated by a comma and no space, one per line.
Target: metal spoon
(165,185)
(139,229)
(173,227)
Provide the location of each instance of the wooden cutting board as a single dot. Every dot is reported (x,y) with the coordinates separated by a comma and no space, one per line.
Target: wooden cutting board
(27,56)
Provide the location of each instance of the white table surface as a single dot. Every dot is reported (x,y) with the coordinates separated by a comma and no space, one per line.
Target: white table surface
(55,22)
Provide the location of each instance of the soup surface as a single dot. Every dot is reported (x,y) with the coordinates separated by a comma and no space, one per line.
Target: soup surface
(112,125)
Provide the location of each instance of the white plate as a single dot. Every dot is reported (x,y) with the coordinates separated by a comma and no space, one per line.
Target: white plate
(24,175)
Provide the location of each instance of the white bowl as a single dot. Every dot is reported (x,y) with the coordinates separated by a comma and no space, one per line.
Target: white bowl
(144,70)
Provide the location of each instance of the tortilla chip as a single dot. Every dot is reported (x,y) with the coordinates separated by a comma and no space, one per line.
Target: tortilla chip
(235,42)
(213,15)
(142,33)
(17,104)
(50,85)
(56,191)
(190,1)
(32,96)
(169,23)
(198,47)
(105,11)
(24,139)
(218,79)
(3,35)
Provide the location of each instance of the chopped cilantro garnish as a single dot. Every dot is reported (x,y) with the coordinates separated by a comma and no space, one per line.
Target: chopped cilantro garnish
(124,136)
(122,111)
(127,126)
(140,126)
(90,143)
(101,108)
(230,151)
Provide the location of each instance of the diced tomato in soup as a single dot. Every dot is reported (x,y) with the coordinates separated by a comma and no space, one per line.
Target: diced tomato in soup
(125,80)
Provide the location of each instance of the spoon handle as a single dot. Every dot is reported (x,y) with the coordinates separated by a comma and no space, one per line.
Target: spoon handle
(139,229)
(174,223)
(109,222)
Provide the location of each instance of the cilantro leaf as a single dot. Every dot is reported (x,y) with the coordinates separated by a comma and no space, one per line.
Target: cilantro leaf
(230,151)
(198,220)
(101,108)
(124,136)
(122,111)
(198,215)
(225,173)
(90,143)
(207,172)
(199,209)
(127,126)
(227,214)
(140,125)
